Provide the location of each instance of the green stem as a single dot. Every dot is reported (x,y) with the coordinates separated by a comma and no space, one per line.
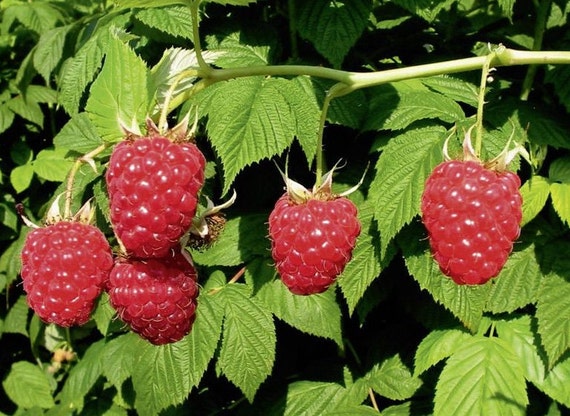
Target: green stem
(163,122)
(293,30)
(481,103)
(194,10)
(543,10)
(335,91)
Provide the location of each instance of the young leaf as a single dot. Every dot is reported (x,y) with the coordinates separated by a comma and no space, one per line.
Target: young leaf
(247,353)
(332,27)
(249,119)
(317,315)
(174,20)
(465,302)
(28,387)
(534,194)
(393,380)
(438,345)
(517,284)
(401,171)
(553,313)
(489,377)
(116,95)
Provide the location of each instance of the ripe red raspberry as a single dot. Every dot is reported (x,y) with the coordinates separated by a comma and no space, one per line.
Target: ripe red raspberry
(155,297)
(153,186)
(472,215)
(64,268)
(312,237)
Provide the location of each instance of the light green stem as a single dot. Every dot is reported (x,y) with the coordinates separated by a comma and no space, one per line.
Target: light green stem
(481,103)
(194,10)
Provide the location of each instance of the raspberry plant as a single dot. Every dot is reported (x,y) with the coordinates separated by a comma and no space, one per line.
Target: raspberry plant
(302,84)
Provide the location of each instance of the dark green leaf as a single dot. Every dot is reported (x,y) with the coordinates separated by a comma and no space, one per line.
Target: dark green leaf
(17,318)
(534,193)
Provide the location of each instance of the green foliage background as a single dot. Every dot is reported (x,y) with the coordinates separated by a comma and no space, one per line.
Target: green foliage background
(394,335)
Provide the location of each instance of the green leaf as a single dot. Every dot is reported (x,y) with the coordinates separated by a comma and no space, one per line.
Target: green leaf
(161,376)
(465,302)
(553,313)
(83,376)
(517,284)
(483,377)
(49,51)
(27,109)
(116,95)
(454,88)
(232,2)
(559,170)
(438,345)
(247,353)
(519,332)
(559,77)
(556,382)
(411,107)
(36,16)
(401,171)
(313,398)
(78,134)
(426,9)
(534,194)
(52,165)
(105,316)
(249,119)
(316,315)
(21,177)
(333,27)
(118,357)
(231,51)
(28,387)
(242,238)
(10,263)
(6,117)
(507,7)
(150,3)
(16,320)
(174,20)
(393,380)
(366,263)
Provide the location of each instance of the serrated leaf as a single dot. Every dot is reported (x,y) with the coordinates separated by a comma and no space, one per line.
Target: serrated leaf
(161,376)
(232,2)
(105,316)
(556,382)
(118,357)
(519,332)
(49,51)
(231,51)
(173,20)
(10,262)
(52,165)
(28,387)
(392,379)
(27,109)
(333,27)
(465,302)
(78,134)
(483,377)
(401,171)
(534,194)
(21,177)
(559,170)
(454,88)
(353,410)
(83,376)
(116,94)
(242,238)
(16,320)
(6,117)
(247,352)
(517,284)
(37,16)
(559,77)
(553,314)
(438,345)
(249,119)
(560,195)
(150,3)
(366,263)
(316,315)
(313,398)
(426,9)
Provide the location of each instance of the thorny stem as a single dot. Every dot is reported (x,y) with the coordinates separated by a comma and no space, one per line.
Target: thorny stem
(481,103)
(319,158)
(86,158)
(543,10)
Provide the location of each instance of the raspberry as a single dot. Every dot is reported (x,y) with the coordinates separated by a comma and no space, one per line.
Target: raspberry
(312,241)
(155,297)
(153,186)
(64,269)
(472,215)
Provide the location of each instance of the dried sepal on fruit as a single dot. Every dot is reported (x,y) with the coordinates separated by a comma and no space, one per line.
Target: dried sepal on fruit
(472,211)
(65,265)
(313,233)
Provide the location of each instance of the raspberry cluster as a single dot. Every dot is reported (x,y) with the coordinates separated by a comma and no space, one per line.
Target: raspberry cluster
(153,184)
